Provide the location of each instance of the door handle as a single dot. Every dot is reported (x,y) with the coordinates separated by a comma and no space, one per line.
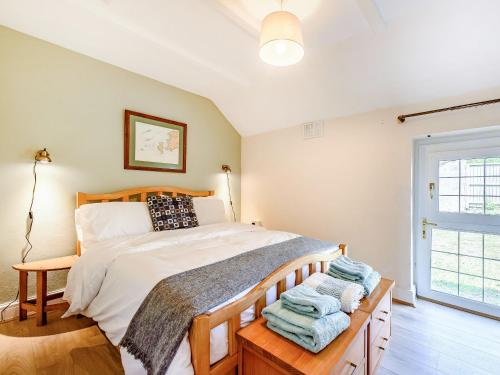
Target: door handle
(424,227)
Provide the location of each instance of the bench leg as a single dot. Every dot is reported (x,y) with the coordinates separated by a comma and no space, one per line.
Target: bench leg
(23,294)
(41,298)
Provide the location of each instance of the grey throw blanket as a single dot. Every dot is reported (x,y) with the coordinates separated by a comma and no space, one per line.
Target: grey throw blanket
(158,327)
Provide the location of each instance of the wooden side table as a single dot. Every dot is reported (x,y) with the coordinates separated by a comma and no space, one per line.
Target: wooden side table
(39,304)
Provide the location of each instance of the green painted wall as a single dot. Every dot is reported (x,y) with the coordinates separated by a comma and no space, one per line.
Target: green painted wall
(73,105)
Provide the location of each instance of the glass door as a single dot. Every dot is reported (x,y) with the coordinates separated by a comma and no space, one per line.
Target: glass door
(458,225)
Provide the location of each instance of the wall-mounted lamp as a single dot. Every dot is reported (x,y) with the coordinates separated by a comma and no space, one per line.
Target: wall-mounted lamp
(227,170)
(43,156)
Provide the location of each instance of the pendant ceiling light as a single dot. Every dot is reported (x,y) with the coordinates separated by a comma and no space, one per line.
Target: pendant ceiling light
(281,41)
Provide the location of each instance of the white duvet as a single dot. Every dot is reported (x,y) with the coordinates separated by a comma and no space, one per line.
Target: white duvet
(111,279)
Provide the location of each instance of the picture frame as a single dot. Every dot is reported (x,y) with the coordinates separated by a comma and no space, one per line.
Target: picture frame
(152,143)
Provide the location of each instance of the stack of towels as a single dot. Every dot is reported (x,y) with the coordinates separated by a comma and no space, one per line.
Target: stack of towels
(308,318)
(347,269)
(313,313)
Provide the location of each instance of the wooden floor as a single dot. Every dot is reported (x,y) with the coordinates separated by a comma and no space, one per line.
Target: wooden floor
(433,339)
(430,339)
(64,346)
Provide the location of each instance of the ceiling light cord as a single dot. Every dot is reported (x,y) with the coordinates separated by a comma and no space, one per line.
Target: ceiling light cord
(28,246)
(230,198)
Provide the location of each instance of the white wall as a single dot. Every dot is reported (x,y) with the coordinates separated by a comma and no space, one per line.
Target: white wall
(354,185)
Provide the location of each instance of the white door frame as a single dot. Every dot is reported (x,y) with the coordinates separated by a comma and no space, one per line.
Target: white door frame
(421,148)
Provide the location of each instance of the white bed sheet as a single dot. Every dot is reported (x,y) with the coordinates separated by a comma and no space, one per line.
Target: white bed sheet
(110,281)
(181,364)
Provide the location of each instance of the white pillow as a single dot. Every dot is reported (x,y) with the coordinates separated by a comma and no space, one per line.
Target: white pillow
(209,210)
(102,221)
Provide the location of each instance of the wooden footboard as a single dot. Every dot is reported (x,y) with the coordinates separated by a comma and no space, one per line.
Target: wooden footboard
(199,334)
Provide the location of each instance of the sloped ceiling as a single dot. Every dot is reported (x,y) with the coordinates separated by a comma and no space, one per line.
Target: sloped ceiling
(359,54)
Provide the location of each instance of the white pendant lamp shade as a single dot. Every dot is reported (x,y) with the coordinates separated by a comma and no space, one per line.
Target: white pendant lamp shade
(281,41)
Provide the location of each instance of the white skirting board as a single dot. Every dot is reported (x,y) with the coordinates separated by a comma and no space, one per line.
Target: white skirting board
(12,311)
(405,295)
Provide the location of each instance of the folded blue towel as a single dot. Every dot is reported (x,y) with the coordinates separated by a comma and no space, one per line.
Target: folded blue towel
(371,282)
(347,266)
(312,334)
(341,275)
(305,300)
(347,292)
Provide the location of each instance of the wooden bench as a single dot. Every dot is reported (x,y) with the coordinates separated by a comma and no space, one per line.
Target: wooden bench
(357,351)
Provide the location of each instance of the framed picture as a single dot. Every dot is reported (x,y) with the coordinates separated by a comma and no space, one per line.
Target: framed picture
(154,143)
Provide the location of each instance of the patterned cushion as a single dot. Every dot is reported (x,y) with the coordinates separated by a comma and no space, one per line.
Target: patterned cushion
(168,213)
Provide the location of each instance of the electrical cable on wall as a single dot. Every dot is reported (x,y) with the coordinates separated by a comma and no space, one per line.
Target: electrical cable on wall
(28,246)
(227,170)
(230,198)
(41,156)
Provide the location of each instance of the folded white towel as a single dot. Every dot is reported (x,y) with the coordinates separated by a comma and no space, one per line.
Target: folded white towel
(348,293)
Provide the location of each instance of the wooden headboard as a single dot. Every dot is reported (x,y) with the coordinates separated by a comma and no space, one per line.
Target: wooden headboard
(134,195)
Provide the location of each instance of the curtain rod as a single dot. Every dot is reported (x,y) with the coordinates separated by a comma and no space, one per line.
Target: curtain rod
(402,118)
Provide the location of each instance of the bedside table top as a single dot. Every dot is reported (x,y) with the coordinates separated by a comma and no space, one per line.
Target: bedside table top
(53,264)
(290,355)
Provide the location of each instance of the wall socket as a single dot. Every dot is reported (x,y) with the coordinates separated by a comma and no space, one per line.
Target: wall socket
(313,129)
(257,223)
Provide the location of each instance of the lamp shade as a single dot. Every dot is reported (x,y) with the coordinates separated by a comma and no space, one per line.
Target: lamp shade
(281,41)
(43,156)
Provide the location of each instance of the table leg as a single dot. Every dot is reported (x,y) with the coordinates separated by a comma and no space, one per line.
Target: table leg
(41,298)
(23,294)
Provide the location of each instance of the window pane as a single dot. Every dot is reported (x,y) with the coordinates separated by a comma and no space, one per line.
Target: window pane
(492,292)
(492,186)
(448,204)
(472,167)
(466,264)
(449,168)
(449,186)
(444,281)
(472,186)
(471,244)
(476,193)
(493,167)
(493,205)
(492,246)
(446,240)
(471,266)
(492,269)
(472,205)
(445,261)
(471,287)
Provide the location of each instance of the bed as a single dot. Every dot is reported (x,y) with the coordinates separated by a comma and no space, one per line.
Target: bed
(113,276)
